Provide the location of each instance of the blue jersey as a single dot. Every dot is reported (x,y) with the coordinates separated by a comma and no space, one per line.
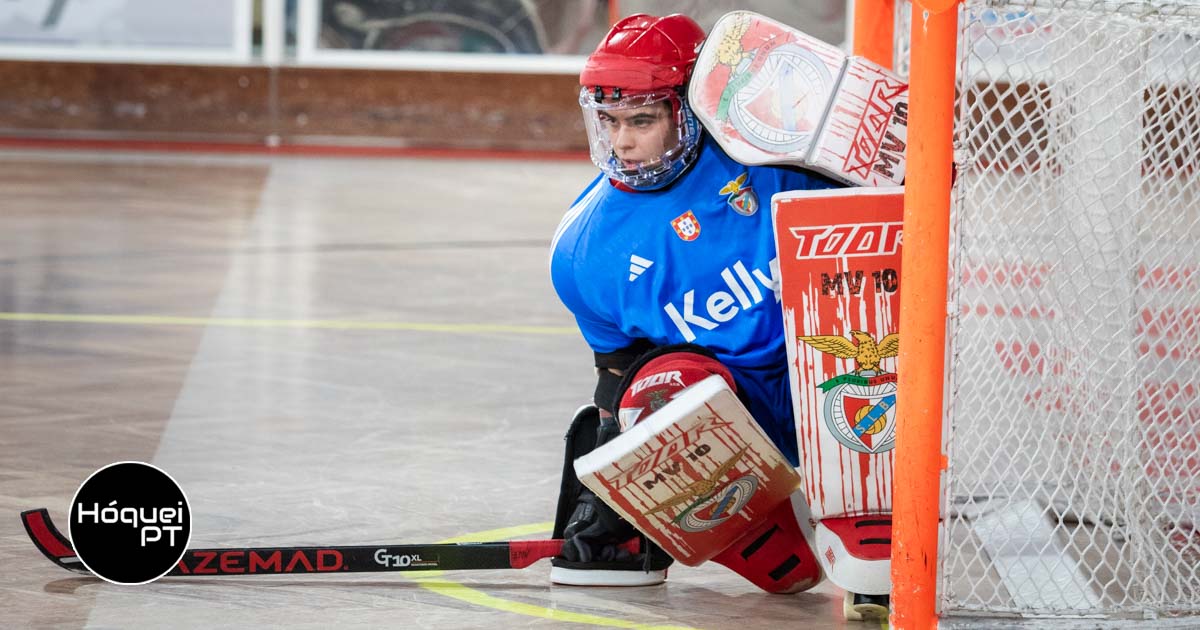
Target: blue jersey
(693,263)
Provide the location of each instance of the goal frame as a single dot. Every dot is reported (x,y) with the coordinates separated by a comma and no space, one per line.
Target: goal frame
(1076,131)
(927,197)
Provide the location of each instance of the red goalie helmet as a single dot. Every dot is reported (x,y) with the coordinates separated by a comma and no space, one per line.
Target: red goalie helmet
(641,131)
(643,53)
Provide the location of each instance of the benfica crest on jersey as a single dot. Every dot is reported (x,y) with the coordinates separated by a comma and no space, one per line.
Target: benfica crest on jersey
(740,197)
(687,226)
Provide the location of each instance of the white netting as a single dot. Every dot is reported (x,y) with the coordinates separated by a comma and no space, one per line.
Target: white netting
(1073,410)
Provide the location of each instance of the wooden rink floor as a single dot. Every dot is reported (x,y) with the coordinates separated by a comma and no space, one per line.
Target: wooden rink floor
(320,351)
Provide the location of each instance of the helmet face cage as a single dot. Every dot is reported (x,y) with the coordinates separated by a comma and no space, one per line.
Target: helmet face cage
(663,150)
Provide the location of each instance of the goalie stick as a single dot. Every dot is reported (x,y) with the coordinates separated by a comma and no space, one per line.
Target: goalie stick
(516,554)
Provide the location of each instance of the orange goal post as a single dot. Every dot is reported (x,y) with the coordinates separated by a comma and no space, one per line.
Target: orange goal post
(1048,441)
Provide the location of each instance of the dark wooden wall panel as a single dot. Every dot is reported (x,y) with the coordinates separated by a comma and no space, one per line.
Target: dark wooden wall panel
(168,102)
(292,105)
(476,110)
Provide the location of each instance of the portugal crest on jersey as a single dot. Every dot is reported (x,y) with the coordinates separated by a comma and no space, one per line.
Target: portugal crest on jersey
(687,226)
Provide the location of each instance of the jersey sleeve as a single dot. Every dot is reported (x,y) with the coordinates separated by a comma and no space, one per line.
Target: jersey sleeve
(600,332)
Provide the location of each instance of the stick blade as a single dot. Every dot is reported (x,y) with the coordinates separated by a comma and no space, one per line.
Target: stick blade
(50,541)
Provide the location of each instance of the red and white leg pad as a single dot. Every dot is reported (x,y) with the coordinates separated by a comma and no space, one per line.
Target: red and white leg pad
(775,555)
(855,552)
(841,344)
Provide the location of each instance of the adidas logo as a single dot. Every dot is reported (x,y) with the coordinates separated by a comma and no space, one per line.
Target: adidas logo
(638,266)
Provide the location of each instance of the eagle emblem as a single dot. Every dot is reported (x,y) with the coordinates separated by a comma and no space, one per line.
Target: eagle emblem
(701,488)
(740,197)
(860,408)
(861,347)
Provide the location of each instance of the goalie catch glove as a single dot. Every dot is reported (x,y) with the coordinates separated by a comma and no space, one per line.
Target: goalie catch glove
(600,548)
(595,533)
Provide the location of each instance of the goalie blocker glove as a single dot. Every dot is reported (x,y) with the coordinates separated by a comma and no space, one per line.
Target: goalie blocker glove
(768,544)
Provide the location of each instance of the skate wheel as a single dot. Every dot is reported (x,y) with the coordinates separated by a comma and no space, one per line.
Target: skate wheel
(859,607)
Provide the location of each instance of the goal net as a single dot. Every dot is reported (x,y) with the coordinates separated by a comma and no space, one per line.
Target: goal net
(1073,400)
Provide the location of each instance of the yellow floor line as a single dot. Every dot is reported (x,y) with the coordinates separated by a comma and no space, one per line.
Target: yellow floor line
(237,322)
(504,533)
(432,580)
(435,581)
